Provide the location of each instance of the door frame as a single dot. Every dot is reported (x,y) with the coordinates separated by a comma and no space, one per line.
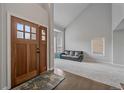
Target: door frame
(9,14)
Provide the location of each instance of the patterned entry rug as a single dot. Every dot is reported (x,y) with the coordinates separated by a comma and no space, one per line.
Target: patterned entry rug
(45,81)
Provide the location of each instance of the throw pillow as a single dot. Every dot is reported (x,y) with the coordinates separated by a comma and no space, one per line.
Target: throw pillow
(76,53)
(72,53)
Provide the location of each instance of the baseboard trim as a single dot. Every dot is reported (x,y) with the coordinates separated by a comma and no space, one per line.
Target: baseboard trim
(51,69)
(104,61)
(118,65)
(98,60)
(5,88)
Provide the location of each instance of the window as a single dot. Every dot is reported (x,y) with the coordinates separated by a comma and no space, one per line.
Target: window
(26,32)
(33,36)
(98,46)
(43,35)
(27,28)
(33,30)
(27,35)
(20,35)
(19,27)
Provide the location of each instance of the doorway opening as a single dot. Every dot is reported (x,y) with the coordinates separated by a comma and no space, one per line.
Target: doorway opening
(58,42)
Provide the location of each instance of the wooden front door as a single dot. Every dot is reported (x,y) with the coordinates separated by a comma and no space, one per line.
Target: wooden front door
(25,51)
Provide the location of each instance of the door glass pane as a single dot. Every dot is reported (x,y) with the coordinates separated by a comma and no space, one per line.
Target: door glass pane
(27,28)
(20,34)
(19,26)
(43,32)
(27,35)
(43,38)
(33,30)
(33,36)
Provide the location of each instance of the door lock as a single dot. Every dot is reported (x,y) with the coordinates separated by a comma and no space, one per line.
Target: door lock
(38,50)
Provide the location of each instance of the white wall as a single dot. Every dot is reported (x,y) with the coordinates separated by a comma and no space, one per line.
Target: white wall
(118,33)
(0,44)
(95,21)
(58,27)
(117,14)
(31,12)
(118,47)
(51,36)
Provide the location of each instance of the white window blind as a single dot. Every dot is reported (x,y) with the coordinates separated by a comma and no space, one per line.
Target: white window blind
(98,46)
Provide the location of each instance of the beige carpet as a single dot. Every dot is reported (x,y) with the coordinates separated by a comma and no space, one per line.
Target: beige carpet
(101,72)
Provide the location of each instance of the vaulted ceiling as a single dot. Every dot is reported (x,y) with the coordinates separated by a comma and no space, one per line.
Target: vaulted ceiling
(120,26)
(64,14)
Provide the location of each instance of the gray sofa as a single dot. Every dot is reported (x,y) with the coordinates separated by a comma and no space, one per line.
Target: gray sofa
(72,55)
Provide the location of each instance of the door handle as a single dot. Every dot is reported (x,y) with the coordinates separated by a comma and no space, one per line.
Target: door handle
(38,50)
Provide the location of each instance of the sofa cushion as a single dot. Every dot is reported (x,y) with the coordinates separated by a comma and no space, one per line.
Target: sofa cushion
(64,55)
(68,56)
(76,53)
(74,57)
(72,53)
(67,52)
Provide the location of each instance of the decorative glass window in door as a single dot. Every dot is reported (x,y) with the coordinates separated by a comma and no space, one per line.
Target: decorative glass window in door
(20,34)
(26,32)
(27,35)
(43,35)
(20,30)
(33,33)
(27,28)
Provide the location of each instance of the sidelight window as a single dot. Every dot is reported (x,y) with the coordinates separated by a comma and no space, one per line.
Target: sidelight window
(43,35)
